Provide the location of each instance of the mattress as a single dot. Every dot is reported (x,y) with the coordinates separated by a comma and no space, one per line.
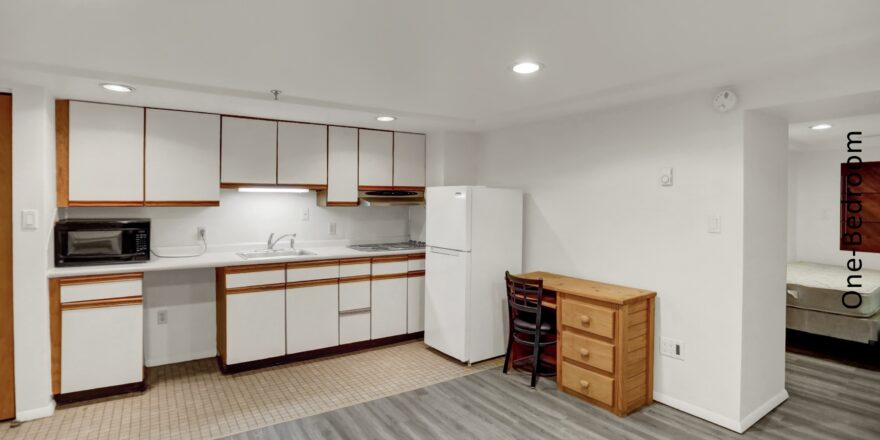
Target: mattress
(821,287)
(864,330)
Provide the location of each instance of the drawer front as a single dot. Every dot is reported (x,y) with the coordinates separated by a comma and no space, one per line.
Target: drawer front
(415,264)
(105,290)
(101,347)
(354,270)
(588,383)
(353,296)
(248,279)
(354,327)
(308,273)
(390,267)
(589,318)
(588,351)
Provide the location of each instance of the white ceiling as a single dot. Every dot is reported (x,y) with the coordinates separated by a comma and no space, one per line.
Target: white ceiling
(436,64)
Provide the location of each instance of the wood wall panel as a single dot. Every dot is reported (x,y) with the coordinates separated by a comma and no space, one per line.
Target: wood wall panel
(7,350)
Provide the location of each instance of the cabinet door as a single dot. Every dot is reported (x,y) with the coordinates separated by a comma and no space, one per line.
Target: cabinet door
(388,307)
(101,347)
(302,154)
(375,158)
(354,295)
(354,327)
(248,151)
(409,160)
(182,158)
(254,326)
(342,180)
(312,317)
(105,153)
(415,304)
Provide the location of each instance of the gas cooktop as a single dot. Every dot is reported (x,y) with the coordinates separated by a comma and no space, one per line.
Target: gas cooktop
(385,247)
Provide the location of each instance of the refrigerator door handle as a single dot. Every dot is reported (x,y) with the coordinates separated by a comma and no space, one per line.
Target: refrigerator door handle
(437,251)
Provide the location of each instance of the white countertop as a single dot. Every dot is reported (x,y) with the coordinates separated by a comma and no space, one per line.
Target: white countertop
(217,259)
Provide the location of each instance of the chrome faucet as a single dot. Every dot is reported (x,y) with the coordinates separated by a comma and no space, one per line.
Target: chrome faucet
(270,243)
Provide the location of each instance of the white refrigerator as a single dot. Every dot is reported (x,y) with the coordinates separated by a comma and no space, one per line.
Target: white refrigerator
(473,234)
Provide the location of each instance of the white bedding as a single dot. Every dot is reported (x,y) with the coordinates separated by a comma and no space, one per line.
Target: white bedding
(821,287)
(826,276)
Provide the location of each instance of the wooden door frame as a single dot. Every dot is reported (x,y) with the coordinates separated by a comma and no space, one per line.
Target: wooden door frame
(7,349)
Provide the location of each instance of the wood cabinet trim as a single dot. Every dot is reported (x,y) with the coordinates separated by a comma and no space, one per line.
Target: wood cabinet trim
(173,203)
(416,257)
(390,259)
(114,203)
(415,273)
(254,289)
(62,152)
(342,203)
(55,332)
(355,279)
(389,276)
(374,188)
(310,186)
(313,283)
(347,261)
(409,188)
(253,268)
(90,279)
(98,303)
(314,263)
(220,295)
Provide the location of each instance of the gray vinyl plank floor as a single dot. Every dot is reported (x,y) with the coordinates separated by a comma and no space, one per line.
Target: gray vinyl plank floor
(827,401)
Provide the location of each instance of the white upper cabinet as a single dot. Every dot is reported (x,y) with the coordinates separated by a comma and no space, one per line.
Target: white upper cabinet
(302,154)
(182,158)
(375,158)
(409,159)
(249,148)
(342,178)
(105,153)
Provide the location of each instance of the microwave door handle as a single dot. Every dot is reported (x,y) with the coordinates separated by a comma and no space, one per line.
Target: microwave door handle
(92,256)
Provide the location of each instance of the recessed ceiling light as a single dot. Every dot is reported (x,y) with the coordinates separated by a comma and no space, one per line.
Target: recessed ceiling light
(271,189)
(385,118)
(121,88)
(527,67)
(820,126)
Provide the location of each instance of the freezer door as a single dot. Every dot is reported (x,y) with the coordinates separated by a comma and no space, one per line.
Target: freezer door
(448,217)
(446,292)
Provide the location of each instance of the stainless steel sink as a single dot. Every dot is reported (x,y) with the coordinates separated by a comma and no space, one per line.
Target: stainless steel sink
(271,253)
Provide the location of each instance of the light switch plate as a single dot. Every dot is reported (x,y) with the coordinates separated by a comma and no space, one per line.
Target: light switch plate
(666,177)
(331,228)
(305,214)
(29,219)
(714,224)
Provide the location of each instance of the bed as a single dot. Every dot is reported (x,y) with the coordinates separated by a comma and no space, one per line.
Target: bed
(814,296)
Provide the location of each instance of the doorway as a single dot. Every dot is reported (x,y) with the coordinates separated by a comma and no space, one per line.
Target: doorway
(7,378)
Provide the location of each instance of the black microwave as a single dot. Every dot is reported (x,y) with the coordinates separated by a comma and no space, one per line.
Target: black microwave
(83,242)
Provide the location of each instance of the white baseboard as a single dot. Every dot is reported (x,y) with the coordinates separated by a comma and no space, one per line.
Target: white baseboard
(763,410)
(155,362)
(702,413)
(738,426)
(36,413)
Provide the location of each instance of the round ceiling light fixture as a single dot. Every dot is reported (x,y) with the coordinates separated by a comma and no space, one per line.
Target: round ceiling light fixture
(822,126)
(527,67)
(386,118)
(121,88)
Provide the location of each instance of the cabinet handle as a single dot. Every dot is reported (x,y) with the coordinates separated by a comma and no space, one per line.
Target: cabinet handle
(585,352)
(585,384)
(585,319)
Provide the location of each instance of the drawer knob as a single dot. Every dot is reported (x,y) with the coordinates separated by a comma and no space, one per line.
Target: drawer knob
(585,319)
(585,384)
(585,352)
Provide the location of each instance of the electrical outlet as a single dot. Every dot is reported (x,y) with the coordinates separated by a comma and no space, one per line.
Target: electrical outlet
(162,317)
(331,229)
(305,214)
(672,348)
(202,232)
(714,224)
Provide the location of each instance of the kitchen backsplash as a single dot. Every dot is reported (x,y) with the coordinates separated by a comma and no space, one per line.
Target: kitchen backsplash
(250,217)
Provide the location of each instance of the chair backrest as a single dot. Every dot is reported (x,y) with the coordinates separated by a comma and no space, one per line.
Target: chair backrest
(524,294)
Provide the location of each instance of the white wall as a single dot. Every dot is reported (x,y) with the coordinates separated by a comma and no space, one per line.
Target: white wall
(765,180)
(33,157)
(815,202)
(594,208)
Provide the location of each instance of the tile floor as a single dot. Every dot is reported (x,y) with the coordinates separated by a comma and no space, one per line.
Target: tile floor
(193,400)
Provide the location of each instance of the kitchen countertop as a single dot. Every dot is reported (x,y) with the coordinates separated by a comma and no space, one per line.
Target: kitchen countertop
(217,259)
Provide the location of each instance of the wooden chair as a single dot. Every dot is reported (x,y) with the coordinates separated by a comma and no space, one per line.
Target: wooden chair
(528,325)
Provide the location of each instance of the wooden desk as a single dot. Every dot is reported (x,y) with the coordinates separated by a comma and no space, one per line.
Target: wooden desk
(605,341)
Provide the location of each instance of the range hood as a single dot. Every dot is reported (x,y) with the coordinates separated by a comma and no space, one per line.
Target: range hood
(391,198)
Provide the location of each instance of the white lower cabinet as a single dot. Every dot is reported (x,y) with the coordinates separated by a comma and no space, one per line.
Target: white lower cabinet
(312,317)
(101,347)
(254,326)
(415,304)
(389,307)
(354,327)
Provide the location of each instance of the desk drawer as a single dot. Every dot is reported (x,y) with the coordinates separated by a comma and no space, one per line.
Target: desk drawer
(589,318)
(588,351)
(588,383)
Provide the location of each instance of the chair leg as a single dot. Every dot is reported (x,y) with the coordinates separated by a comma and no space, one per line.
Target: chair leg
(536,358)
(509,349)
